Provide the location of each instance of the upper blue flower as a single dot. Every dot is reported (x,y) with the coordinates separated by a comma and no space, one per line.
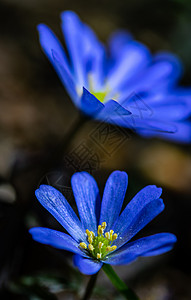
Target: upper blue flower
(103,232)
(143,87)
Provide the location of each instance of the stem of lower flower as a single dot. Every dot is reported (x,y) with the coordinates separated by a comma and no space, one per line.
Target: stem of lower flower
(90,287)
(118,283)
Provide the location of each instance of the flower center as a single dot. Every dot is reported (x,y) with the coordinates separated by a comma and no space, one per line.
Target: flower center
(99,246)
(100,95)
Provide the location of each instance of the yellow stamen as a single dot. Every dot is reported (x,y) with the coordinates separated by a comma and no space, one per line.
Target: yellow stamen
(91,247)
(100,244)
(98,255)
(114,236)
(88,232)
(108,248)
(83,245)
(107,235)
(100,230)
(113,248)
(90,240)
(103,225)
(111,233)
(92,234)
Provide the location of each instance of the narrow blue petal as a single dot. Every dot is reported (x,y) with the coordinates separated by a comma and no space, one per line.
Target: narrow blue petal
(65,77)
(133,59)
(90,105)
(141,219)
(137,122)
(87,198)
(117,41)
(55,239)
(172,111)
(167,106)
(56,54)
(87,266)
(147,246)
(159,251)
(133,212)
(59,207)
(49,42)
(73,32)
(182,134)
(94,56)
(113,197)
(171,67)
(161,74)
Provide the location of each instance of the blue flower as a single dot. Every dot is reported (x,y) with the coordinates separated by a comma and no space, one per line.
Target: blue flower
(129,87)
(102,234)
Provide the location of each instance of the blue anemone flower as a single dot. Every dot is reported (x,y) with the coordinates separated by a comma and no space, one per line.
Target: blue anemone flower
(129,87)
(102,234)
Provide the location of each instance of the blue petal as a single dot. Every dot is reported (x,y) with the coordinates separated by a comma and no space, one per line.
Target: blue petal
(65,77)
(159,251)
(94,56)
(162,73)
(90,105)
(113,197)
(56,239)
(169,66)
(87,266)
(182,134)
(73,32)
(56,54)
(87,198)
(148,246)
(137,123)
(139,211)
(133,59)
(164,106)
(117,41)
(112,109)
(49,42)
(172,111)
(58,206)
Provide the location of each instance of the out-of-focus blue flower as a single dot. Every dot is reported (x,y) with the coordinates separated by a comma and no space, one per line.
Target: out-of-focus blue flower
(143,87)
(103,234)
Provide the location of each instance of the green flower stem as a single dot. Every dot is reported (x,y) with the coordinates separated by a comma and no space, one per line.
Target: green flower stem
(118,283)
(90,287)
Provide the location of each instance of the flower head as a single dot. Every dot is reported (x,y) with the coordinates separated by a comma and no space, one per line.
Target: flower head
(129,88)
(102,234)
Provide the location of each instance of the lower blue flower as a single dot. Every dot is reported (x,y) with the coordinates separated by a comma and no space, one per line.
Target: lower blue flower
(102,234)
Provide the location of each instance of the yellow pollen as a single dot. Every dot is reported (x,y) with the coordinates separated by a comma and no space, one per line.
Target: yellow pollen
(92,234)
(103,225)
(108,248)
(90,247)
(111,232)
(114,236)
(90,240)
(113,248)
(88,232)
(100,230)
(100,244)
(107,235)
(83,245)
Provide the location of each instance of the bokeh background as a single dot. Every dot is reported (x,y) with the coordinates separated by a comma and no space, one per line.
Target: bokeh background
(36,119)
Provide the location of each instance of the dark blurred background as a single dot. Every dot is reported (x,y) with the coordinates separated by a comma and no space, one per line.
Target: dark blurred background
(36,118)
